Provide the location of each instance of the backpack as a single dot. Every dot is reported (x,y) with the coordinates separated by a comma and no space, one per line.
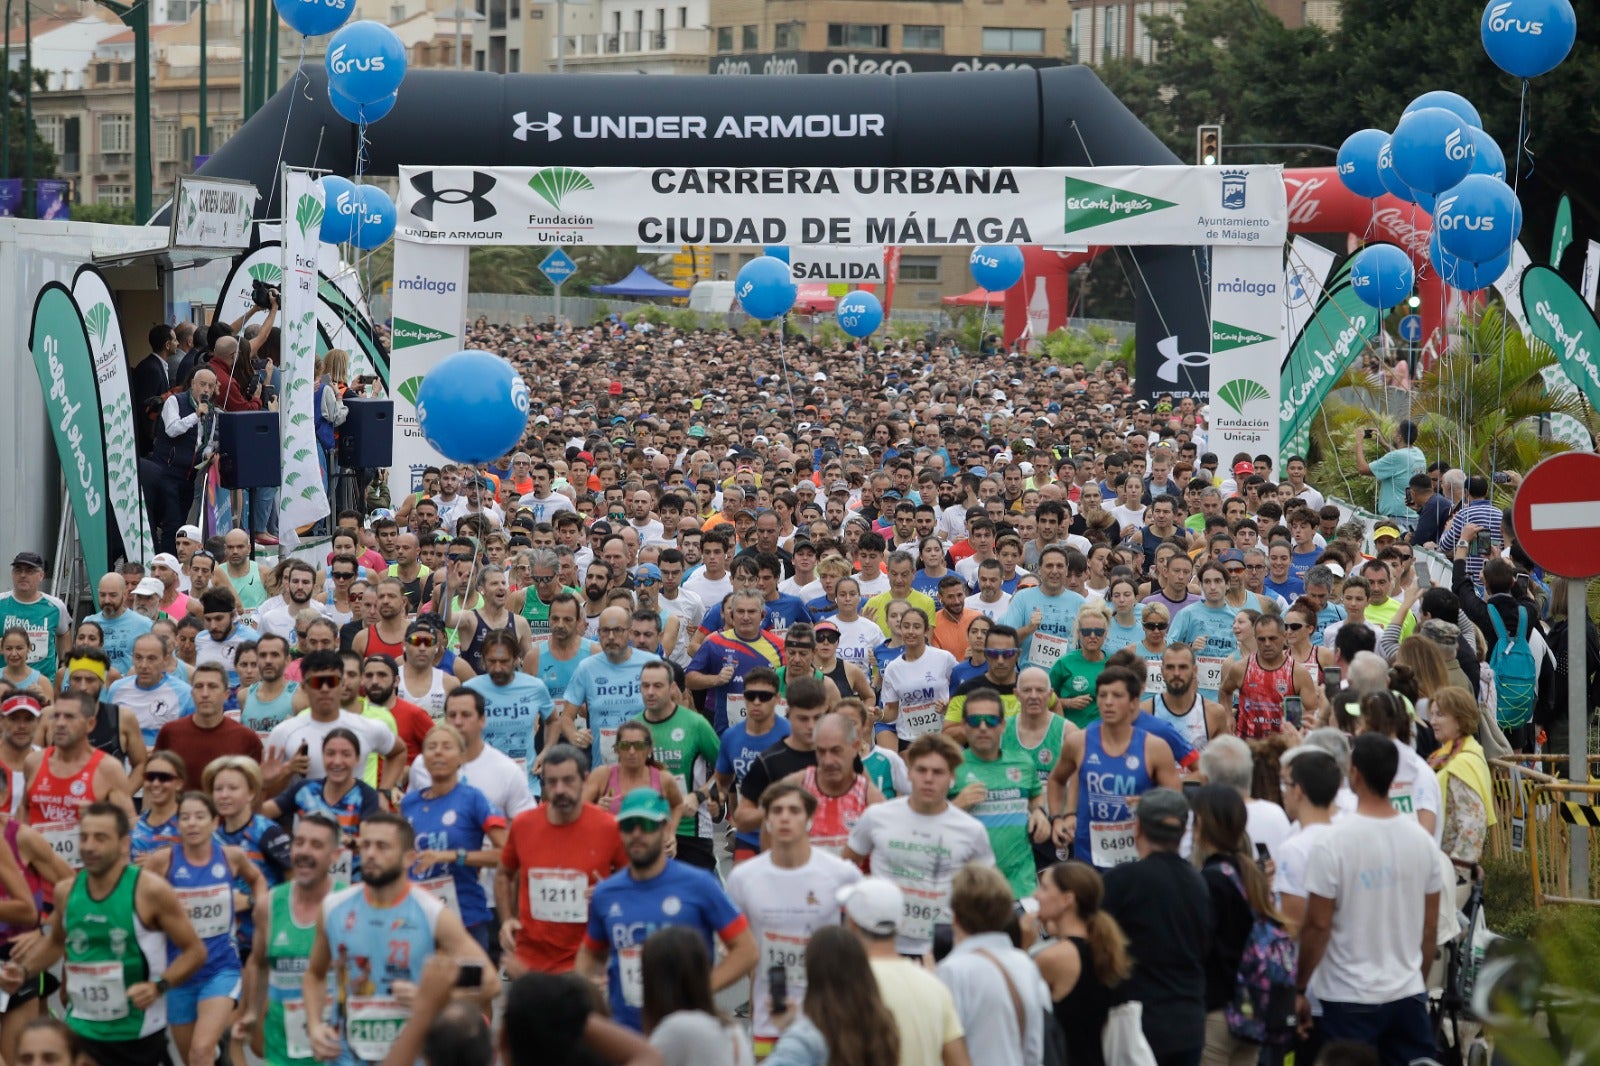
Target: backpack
(1516,675)
(1262,1010)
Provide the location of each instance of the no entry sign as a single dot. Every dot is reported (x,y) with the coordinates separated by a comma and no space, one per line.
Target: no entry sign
(1557,514)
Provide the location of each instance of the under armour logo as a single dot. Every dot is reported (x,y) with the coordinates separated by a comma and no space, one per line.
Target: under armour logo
(1168,347)
(477,196)
(550,127)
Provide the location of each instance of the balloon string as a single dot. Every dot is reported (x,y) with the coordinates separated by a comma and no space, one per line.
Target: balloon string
(303,81)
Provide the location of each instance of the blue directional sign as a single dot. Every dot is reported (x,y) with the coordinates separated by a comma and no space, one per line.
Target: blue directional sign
(1411,329)
(558,266)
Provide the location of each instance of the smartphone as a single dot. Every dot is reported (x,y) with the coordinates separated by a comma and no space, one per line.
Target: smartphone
(305,747)
(1370,434)
(1332,676)
(1293,710)
(943,940)
(1424,579)
(1482,544)
(471,975)
(1191,786)
(1501,478)
(778,988)
(1262,856)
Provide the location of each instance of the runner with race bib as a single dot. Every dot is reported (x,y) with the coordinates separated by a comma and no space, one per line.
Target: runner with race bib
(1045,617)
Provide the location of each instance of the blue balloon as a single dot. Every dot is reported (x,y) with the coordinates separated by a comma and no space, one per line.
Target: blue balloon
(375,219)
(1490,159)
(340,206)
(765,288)
(996,267)
(1391,181)
(1527,38)
(859,314)
(1381,276)
(366,62)
(1479,219)
(361,114)
(1462,275)
(777,251)
(1454,103)
(313,18)
(1433,149)
(1358,163)
(473,407)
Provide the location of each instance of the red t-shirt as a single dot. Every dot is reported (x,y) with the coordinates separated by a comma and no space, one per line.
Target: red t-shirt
(198,746)
(413,723)
(592,846)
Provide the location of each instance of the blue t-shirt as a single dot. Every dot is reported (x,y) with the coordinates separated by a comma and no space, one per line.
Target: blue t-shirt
(148,837)
(821,608)
(725,703)
(740,750)
(1300,562)
(1333,612)
(1291,588)
(166,701)
(927,584)
(375,947)
(1057,633)
(965,671)
(206,888)
(782,613)
(262,715)
(120,633)
(1119,636)
(512,713)
(610,692)
(1213,623)
(455,821)
(348,810)
(624,912)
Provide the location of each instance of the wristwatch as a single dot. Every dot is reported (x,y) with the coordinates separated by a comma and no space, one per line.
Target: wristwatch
(461,856)
(162,986)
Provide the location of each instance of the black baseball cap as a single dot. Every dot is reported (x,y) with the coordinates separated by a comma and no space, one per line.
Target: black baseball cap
(29,559)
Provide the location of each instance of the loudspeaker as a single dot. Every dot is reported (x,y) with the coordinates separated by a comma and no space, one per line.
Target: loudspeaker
(249,445)
(366,440)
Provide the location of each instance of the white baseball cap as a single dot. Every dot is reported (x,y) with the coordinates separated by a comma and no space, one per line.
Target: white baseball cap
(168,561)
(873,903)
(149,586)
(190,532)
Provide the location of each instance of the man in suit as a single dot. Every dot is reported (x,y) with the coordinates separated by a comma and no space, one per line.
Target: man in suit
(152,379)
(189,354)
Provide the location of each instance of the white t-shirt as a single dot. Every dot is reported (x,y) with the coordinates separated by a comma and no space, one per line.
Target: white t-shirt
(277,617)
(546,509)
(856,641)
(493,773)
(871,587)
(1378,872)
(805,593)
(288,735)
(1415,788)
(922,689)
(921,853)
(1267,824)
(691,612)
(991,611)
(1291,857)
(709,592)
(1129,518)
(784,908)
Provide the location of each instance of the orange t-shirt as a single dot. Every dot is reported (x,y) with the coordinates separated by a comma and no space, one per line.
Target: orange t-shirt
(544,859)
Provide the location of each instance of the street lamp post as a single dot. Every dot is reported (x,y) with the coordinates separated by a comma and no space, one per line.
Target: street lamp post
(205,131)
(137,18)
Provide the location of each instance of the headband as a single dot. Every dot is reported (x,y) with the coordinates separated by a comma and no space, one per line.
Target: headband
(19,702)
(93,666)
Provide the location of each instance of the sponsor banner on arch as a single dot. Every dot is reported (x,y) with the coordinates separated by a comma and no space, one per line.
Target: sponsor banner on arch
(919,206)
(430,313)
(1340,329)
(1246,316)
(301,499)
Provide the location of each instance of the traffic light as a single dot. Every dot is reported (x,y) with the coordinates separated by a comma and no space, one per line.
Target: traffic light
(1208,145)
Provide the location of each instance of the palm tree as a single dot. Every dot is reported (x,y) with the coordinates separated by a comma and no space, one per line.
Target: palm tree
(1484,406)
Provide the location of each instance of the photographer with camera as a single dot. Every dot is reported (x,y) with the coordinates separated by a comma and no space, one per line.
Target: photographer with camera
(1393,469)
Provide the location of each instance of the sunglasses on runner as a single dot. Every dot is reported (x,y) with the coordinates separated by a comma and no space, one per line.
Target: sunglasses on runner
(760,695)
(633,745)
(1294,627)
(1155,626)
(157,777)
(1095,632)
(827,638)
(421,640)
(322,682)
(637,825)
(987,721)
(459,557)
(342,575)
(1000,653)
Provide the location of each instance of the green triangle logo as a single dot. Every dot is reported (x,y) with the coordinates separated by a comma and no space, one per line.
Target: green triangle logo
(407,334)
(1091,204)
(409,389)
(1225,338)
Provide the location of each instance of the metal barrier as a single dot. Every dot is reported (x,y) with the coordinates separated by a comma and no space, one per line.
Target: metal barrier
(1558,811)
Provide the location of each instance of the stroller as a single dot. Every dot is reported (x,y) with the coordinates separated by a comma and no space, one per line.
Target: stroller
(1457,1029)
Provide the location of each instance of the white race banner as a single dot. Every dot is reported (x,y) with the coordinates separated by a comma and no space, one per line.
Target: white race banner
(848,264)
(1304,274)
(430,313)
(1246,315)
(1591,272)
(213,213)
(100,321)
(301,499)
(823,205)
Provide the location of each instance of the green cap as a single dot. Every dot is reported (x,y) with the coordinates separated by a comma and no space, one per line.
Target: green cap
(645,803)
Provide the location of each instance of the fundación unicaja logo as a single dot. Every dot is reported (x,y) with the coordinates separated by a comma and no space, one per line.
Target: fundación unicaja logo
(1091,204)
(409,388)
(308,214)
(1241,392)
(554,184)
